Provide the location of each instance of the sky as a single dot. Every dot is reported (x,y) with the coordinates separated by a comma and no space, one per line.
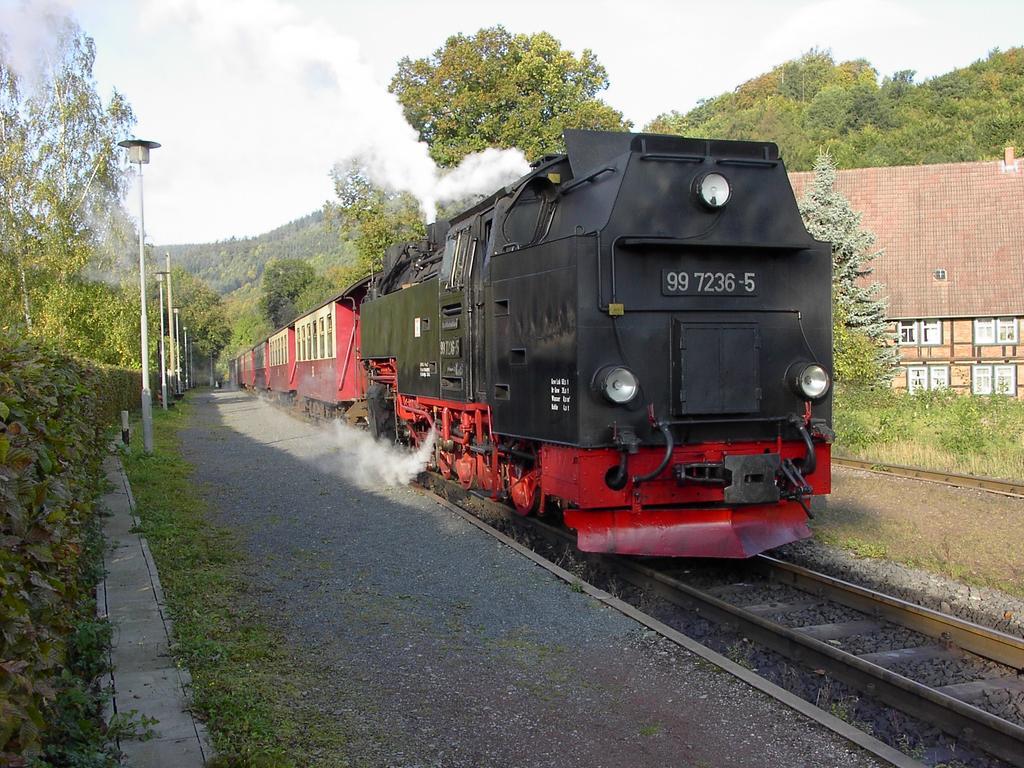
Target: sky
(254,101)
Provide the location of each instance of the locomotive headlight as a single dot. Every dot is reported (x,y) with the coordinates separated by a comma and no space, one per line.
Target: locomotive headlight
(713,190)
(618,384)
(809,380)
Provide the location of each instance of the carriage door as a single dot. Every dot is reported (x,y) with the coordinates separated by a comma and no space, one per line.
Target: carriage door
(475,302)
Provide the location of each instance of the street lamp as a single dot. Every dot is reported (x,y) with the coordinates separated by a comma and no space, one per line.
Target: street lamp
(172,331)
(138,153)
(188,362)
(177,352)
(163,356)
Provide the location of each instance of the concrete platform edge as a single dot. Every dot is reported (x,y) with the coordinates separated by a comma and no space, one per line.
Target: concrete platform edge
(155,685)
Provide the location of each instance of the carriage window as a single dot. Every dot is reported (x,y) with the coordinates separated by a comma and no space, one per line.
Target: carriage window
(330,336)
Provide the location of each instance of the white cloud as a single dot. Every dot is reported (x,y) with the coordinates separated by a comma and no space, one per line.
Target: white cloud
(255,101)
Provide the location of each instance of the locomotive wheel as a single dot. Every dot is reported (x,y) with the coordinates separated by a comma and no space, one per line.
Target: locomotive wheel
(380,413)
(445,460)
(524,492)
(465,468)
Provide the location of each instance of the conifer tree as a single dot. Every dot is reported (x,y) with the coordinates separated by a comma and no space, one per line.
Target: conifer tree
(858,307)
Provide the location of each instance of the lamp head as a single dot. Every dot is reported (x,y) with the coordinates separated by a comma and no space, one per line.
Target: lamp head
(138,149)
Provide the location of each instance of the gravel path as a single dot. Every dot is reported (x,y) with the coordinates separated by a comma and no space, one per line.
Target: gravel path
(441,647)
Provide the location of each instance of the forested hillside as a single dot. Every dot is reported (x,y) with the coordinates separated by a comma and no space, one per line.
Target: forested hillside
(813,103)
(230,264)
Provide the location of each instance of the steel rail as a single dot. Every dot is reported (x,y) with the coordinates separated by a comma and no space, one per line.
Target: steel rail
(954,716)
(994,485)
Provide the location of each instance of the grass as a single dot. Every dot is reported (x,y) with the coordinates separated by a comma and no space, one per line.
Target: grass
(246,683)
(962,537)
(937,430)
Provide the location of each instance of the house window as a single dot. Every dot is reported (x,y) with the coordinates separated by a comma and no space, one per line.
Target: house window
(994,379)
(984,330)
(931,332)
(995,330)
(908,332)
(1006,330)
(917,378)
(924,332)
(925,377)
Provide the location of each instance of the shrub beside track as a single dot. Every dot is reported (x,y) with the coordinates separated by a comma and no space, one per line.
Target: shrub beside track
(54,415)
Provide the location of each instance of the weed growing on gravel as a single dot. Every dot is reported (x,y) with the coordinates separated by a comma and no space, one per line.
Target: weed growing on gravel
(245,683)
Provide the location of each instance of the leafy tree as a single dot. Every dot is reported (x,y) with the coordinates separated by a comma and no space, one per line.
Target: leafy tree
(91,319)
(859,313)
(496,89)
(803,105)
(202,312)
(283,282)
(60,197)
(374,218)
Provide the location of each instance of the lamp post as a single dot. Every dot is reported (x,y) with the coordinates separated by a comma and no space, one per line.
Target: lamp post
(177,352)
(163,354)
(172,331)
(188,362)
(138,153)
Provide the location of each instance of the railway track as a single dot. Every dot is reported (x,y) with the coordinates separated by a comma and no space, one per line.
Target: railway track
(962,678)
(1005,487)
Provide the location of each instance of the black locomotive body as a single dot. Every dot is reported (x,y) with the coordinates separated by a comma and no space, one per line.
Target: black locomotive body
(636,334)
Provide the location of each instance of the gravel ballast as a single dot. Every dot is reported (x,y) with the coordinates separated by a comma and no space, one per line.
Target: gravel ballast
(438,645)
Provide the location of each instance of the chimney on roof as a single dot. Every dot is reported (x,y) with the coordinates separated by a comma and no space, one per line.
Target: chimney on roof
(1009,161)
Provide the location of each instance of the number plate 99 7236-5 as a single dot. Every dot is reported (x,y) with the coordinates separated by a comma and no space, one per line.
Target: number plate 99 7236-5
(685,282)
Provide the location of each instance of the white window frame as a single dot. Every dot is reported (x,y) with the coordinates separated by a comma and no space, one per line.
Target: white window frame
(938,377)
(979,385)
(911,328)
(1006,330)
(926,336)
(917,378)
(1006,374)
(923,333)
(984,331)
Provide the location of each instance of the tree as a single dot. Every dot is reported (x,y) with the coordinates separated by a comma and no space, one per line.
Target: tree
(283,282)
(91,319)
(859,311)
(62,184)
(496,89)
(373,217)
(202,312)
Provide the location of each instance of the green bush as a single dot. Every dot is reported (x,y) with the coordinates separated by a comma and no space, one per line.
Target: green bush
(939,429)
(120,390)
(54,412)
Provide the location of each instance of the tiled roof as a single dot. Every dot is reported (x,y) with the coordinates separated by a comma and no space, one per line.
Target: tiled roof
(965,218)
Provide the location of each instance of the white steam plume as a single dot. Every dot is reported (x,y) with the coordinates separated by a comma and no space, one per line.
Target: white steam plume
(287,59)
(371,464)
(29,34)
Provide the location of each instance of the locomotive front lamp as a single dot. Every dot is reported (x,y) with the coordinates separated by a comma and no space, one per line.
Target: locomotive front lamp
(620,385)
(713,190)
(809,380)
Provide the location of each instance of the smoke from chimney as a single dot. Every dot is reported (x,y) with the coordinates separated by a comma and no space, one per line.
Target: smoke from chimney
(292,57)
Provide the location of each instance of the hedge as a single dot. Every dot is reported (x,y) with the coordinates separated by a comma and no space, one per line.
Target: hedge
(54,415)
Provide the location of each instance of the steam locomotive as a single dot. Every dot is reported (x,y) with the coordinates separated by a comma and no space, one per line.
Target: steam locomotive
(635,336)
